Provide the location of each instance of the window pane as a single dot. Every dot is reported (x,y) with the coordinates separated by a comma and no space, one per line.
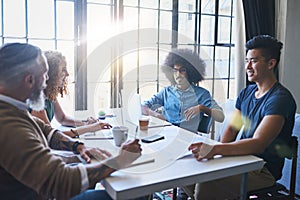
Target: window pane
(148,65)
(165,29)
(221,90)
(40,19)
(148,18)
(207,84)
(232,94)
(130,2)
(164,50)
(102,96)
(65,20)
(232,63)
(166,4)
(43,44)
(208,6)
(165,20)
(207,29)
(14,18)
(67,49)
(99,1)
(222,62)
(98,30)
(149,4)
(224,30)
(148,89)
(186,26)
(187,6)
(206,53)
(130,66)
(225,7)
(12,40)
(130,18)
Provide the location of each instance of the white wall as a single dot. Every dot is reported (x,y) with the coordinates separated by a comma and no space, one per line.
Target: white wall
(290,67)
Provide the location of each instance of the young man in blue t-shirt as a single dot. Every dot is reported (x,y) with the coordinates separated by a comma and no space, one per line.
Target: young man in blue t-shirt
(266,112)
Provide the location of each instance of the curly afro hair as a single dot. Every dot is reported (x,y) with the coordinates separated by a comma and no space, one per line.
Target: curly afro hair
(186,58)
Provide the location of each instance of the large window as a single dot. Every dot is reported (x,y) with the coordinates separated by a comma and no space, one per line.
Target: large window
(120,45)
(48,24)
(146,31)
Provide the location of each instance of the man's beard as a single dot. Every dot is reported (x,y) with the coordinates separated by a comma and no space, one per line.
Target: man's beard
(36,100)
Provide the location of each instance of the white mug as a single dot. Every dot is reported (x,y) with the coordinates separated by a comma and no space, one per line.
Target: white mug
(120,134)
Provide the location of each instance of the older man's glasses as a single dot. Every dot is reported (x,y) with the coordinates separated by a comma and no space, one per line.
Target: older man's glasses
(181,70)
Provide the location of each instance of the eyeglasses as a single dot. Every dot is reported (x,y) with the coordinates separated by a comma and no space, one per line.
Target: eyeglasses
(181,70)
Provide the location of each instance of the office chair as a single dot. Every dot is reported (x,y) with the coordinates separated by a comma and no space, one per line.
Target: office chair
(279,191)
(204,124)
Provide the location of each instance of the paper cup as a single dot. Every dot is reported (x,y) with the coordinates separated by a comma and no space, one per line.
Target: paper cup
(144,122)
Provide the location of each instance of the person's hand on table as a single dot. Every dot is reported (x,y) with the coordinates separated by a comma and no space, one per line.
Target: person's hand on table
(97,126)
(129,152)
(87,153)
(202,150)
(91,120)
(104,125)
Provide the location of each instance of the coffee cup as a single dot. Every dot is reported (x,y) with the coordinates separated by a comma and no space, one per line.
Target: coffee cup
(144,122)
(120,134)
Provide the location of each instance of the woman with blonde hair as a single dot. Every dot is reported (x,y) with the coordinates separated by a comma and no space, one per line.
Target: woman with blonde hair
(57,85)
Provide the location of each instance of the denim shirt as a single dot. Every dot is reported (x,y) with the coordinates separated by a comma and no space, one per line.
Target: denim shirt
(175,101)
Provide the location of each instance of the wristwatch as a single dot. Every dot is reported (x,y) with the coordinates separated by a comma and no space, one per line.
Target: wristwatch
(75,146)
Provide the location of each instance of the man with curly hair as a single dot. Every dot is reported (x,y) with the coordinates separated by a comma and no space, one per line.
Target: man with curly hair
(57,85)
(184,103)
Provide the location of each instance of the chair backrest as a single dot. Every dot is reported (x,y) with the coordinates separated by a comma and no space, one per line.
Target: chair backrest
(289,172)
(204,124)
(228,108)
(294,145)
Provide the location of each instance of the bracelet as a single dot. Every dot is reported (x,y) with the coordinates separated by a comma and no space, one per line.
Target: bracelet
(75,133)
(75,146)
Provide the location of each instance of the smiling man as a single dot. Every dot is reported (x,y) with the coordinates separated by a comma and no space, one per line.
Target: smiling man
(266,110)
(184,103)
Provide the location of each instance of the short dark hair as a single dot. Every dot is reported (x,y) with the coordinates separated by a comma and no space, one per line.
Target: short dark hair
(271,47)
(16,59)
(190,60)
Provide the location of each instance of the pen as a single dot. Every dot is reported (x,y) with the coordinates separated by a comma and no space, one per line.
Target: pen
(157,126)
(136,130)
(98,138)
(141,163)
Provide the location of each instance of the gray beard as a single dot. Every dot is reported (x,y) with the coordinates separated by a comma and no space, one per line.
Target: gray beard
(37,103)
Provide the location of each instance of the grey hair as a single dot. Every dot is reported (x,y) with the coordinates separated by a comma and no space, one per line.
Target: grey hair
(17,60)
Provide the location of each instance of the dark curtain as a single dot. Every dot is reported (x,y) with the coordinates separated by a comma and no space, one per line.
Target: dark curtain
(259,19)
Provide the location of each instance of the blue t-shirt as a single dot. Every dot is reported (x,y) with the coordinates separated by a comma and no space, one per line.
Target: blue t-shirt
(175,101)
(277,101)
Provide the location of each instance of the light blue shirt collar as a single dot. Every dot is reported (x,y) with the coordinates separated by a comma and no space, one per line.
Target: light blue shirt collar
(19,104)
(190,88)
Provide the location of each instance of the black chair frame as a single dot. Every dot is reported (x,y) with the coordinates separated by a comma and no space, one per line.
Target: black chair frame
(279,191)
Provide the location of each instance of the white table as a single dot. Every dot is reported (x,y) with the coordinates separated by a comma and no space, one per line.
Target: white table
(173,166)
